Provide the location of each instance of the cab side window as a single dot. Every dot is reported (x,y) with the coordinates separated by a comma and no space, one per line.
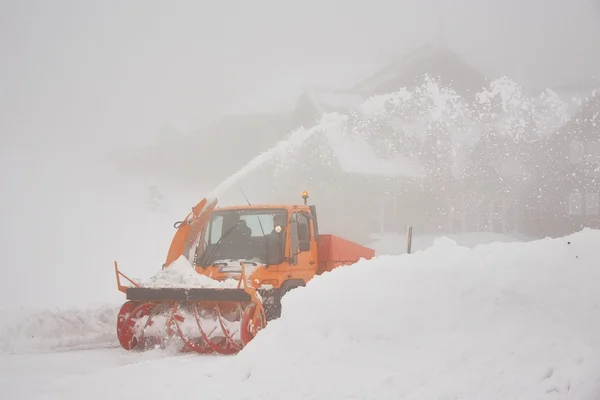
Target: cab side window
(303,228)
(302,232)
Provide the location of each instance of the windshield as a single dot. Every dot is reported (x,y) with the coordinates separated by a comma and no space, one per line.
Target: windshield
(244,234)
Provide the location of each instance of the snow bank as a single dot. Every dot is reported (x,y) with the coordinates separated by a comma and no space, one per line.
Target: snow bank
(395,244)
(503,320)
(180,273)
(29,330)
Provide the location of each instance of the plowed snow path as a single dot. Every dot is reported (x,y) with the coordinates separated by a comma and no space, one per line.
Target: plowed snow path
(27,376)
(36,375)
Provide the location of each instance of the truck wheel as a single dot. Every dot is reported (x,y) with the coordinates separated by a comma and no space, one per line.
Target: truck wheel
(284,289)
(273,306)
(291,284)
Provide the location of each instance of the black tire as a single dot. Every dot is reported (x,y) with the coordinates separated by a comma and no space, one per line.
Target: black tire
(275,307)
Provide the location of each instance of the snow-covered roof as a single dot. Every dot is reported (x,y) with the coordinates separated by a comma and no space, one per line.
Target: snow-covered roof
(414,61)
(356,155)
(326,100)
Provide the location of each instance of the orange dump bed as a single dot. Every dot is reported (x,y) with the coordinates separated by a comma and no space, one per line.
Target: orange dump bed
(335,251)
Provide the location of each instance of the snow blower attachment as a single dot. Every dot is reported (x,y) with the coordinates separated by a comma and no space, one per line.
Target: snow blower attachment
(206,320)
(226,272)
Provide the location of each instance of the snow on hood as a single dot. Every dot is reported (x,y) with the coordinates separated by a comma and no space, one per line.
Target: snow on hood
(180,273)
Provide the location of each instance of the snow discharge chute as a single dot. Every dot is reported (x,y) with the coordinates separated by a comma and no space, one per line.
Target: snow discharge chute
(203,319)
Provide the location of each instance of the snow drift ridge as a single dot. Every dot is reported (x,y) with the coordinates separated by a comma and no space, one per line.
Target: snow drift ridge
(518,320)
(46,330)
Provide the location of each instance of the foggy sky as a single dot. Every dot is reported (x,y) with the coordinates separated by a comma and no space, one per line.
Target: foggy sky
(115,71)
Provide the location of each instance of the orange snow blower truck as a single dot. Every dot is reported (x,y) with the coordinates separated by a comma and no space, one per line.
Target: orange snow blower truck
(243,259)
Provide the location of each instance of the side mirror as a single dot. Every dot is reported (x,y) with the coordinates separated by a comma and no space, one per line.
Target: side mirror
(307,214)
(303,245)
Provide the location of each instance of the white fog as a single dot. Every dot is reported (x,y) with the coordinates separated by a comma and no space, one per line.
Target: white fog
(475,122)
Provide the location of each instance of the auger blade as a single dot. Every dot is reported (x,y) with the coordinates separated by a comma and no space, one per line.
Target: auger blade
(130,322)
(219,321)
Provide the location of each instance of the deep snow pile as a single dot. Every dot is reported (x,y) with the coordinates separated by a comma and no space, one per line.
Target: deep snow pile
(503,320)
(181,273)
(515,320)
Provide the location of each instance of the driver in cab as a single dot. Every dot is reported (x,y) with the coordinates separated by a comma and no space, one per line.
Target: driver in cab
(276,238)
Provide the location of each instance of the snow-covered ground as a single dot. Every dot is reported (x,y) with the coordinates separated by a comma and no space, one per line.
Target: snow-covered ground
(501,320)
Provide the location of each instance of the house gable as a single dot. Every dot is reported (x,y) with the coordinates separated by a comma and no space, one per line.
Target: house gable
(408,71)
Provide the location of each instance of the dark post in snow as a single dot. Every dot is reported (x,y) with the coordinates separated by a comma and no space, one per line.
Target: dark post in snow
(408,239)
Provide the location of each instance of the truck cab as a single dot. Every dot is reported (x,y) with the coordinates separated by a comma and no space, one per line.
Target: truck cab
(267,250)
(278,245)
